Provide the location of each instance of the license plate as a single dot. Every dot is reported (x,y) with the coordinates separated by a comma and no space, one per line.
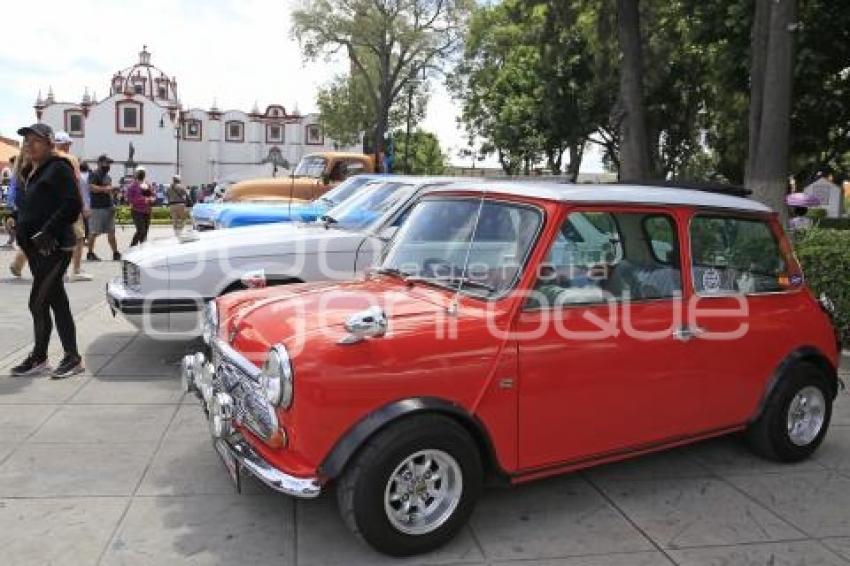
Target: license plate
(231,464)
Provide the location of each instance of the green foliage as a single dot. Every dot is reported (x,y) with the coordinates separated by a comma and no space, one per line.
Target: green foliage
(825,258)
(834,223)
(527,82)
(159,215)
(425,156)
(346,112)
(389,43)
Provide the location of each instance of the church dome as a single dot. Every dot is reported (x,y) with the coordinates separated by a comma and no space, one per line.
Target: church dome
(145,79)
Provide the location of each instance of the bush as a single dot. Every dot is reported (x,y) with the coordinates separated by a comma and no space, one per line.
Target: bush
(825,257)
(159,215)
(834,223)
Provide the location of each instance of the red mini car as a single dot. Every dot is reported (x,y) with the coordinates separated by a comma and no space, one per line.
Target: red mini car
(513,332)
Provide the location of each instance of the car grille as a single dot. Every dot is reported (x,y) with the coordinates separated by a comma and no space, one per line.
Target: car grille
(251,407)
(130,274)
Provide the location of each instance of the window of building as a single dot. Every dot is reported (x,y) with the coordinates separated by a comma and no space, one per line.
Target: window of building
(162,92)
(128,117)
(274,133)
(193,130)
(736,256)
(314,134)
(74,123)
(599,256)
(234,131)
(138,88)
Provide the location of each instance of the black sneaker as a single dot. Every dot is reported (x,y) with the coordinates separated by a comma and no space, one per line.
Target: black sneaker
(92,257)
(31,366)
(116,256)
(71,364)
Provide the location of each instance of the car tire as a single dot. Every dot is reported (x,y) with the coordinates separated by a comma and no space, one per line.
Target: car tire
(795,418)
(443,492)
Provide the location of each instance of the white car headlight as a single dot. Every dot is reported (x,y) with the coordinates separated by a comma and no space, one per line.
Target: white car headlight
(210,322)
(276,377)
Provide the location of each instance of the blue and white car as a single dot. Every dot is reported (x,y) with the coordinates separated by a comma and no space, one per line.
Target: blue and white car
(209,216)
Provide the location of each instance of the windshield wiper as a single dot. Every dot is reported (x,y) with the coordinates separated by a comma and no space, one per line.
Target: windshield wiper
(329,220)
(459,281)
(330,202)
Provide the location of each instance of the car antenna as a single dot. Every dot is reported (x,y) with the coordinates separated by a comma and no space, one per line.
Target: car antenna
(452,309)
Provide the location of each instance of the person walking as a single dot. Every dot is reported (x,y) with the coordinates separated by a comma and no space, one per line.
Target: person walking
(10,220)
(48,204)
(102,219)
(141,199)
(63,143)
(177,200)
(20,260)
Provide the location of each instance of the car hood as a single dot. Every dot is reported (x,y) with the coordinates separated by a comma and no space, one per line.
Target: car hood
(241,242)
(246,215)
(294,314)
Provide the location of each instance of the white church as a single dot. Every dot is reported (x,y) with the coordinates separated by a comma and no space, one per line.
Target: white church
(142,122)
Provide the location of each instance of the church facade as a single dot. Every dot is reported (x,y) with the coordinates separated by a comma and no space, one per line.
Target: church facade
(142,122)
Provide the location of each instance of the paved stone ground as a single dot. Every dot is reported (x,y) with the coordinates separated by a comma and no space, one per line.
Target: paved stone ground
(115,467)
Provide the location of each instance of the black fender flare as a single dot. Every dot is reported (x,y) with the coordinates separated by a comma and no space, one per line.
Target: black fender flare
(802,354)
(355,437)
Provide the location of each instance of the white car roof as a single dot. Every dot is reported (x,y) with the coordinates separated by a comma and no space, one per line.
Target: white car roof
(607,193)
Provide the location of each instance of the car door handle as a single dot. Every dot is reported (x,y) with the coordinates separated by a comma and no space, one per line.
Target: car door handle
(685,333)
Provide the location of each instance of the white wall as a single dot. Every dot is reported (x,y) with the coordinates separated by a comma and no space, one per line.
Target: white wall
(205,161)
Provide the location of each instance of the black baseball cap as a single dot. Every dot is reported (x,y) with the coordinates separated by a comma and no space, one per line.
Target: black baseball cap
(41,130)
(103,158)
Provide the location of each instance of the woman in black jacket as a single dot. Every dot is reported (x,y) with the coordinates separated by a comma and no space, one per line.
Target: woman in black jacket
(48,204)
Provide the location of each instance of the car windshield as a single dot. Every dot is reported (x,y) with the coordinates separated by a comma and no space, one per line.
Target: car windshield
(310,167)
(342,191)
(473,244)
(364,209)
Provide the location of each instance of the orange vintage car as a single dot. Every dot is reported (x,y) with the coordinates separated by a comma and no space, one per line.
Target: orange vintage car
(315,175)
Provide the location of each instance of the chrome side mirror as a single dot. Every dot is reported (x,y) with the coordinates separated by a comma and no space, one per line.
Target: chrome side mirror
(386,234)
(370,323)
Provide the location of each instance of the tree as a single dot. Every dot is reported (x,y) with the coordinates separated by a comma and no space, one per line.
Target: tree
(634,147)
(426,156)
(388,42)
(346,114)
(528,85)
(771,77)
(344,110)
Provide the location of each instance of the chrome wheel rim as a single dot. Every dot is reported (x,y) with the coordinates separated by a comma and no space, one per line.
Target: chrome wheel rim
(806,416)
(423,492)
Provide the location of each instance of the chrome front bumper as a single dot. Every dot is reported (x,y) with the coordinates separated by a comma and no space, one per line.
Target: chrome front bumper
(221,410)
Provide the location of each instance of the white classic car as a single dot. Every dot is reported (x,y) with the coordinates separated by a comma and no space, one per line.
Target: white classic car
(165,283)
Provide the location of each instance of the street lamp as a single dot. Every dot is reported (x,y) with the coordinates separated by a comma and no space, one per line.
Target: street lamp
(178,127)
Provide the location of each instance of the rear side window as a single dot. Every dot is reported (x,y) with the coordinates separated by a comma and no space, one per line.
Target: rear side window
(735,255)
(601,256)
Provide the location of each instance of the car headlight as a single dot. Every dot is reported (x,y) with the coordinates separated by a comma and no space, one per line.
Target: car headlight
(210,322)
(276,377)
(131,274)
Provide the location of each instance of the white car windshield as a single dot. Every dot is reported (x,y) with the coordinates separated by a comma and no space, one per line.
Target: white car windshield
(310,167)
(478,246)
(366,208)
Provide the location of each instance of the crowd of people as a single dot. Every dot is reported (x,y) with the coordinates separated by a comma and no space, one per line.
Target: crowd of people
(57,208)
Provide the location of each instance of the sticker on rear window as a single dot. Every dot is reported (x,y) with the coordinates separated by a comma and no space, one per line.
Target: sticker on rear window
(711,280)
(796,279)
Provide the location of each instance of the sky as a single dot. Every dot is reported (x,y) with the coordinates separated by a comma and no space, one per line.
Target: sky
(232,52)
